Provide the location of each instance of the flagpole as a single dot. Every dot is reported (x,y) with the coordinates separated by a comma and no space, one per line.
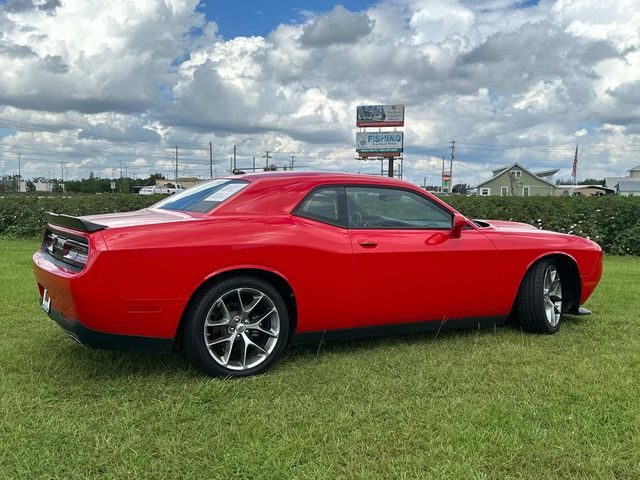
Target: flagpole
(575,166)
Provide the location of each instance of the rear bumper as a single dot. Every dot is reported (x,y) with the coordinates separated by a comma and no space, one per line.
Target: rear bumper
(110,341)
(104,300)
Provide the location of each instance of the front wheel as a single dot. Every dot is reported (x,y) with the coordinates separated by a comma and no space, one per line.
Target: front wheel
(236,328)
(539,302)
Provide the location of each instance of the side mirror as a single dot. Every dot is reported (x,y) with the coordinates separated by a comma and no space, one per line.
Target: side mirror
(458,222)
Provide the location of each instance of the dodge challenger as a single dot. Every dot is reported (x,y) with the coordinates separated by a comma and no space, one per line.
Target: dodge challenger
(248,264)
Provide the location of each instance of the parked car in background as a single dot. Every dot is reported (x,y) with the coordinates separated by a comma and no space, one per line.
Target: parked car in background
(264,260)
(149,190)
(167,189)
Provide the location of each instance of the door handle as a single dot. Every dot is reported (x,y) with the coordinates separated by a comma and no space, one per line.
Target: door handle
(368,243)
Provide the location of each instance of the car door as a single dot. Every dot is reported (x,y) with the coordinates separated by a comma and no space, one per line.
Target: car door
(408,267)
(323,262)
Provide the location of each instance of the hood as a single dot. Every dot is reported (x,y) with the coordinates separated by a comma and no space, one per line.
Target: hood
(147,216)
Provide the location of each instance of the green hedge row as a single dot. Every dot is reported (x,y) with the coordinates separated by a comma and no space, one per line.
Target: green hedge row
(23,215)
(613,222)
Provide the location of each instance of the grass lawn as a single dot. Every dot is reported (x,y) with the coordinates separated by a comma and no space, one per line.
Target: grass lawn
(489,404)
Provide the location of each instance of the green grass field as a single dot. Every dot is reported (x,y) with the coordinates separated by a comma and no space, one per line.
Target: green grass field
(491,404)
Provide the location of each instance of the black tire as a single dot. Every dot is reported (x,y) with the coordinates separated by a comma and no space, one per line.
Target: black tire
(530,302)
(195,347)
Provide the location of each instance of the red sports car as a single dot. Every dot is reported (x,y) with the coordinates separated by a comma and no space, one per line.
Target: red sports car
(236,268)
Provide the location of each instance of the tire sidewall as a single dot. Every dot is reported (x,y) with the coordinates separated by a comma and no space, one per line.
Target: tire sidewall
(194,341)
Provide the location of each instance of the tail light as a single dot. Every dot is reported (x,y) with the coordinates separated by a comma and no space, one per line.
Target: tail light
(73,251)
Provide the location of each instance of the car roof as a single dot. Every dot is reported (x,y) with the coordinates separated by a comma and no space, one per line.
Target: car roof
(318,177)
(281,192)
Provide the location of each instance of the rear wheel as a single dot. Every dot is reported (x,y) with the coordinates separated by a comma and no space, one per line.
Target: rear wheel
(539,303)
(236,328)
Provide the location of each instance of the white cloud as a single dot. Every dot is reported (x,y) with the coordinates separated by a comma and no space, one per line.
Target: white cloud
(104,82)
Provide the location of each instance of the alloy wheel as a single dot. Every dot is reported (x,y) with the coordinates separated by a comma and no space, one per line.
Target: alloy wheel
(552,294)
(241,328)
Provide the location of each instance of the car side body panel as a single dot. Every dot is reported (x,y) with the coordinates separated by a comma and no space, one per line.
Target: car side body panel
(418,275)
(519,249)
(145,266)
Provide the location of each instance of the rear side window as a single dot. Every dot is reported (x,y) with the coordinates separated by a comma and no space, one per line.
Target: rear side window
(202,197)
(323,205)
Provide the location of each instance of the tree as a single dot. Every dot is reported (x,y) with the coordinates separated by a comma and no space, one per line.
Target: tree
(31,187)
(152,178)
(591,181)
(461,188)
(586,181)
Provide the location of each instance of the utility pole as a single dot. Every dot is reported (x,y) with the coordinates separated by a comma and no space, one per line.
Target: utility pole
(267,156)
(176,185)
(254,164)
(442,176)
(62,175)
(293,157)
(235,148)
(210,160)
(453,156)
(233,168)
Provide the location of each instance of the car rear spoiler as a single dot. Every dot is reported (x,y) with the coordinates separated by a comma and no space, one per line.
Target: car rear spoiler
(74,223)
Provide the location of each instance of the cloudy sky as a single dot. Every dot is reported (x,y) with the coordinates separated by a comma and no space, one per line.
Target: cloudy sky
(93,83)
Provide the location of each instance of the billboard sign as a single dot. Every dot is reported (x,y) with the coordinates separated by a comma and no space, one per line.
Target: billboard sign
(375,143)
(380,116)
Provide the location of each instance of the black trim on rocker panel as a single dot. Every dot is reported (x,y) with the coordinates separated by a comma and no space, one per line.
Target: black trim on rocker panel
(394,329)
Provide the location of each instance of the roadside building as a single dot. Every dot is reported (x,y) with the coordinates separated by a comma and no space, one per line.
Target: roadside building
(634,176)
(516,180)
(583,190)
(628,188)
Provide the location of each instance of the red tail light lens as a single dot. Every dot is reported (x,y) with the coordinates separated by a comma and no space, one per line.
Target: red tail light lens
(75,253)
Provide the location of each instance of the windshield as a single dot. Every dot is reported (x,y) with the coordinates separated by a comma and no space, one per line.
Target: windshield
(202,197)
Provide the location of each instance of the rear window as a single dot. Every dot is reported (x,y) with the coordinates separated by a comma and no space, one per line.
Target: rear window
(203,197)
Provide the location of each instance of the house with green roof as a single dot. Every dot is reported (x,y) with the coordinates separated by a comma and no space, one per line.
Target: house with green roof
(518,181)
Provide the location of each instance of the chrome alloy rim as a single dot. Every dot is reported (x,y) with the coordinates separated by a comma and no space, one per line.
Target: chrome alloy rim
(552,290)
(242,328)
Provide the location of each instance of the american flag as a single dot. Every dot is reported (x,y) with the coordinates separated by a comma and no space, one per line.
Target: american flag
(575,165)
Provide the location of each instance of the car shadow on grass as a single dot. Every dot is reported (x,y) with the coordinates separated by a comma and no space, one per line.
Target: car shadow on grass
(95,363)
(106,364)
(421,340)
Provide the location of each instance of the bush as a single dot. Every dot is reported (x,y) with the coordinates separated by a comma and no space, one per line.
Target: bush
(22,215)
(613,222)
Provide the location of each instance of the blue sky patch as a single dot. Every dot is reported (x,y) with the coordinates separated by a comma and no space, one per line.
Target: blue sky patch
(258,18)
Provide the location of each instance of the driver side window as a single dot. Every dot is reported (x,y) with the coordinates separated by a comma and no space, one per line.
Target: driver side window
(390,208)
